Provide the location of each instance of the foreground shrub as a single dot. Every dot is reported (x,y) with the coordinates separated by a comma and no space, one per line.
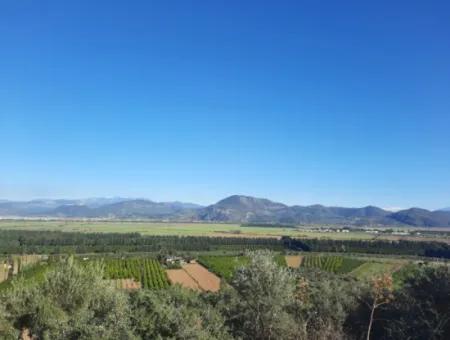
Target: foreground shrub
(175,313)
(73,302)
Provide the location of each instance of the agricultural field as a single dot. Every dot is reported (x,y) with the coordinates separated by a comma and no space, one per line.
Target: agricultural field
(225,266)
(179,276)
(15,264)
(206,280)
(33,273)
(199,229)
(127,284)
(333,264)
(194,276)
(148,272)
(294,261)
(361,268)
(370,269)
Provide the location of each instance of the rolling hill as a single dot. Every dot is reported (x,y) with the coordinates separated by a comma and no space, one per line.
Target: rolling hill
(246,209)
(236,209)
(421,217)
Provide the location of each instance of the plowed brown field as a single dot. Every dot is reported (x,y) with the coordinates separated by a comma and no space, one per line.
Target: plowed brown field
(294,261)
(206,280)
(179,276)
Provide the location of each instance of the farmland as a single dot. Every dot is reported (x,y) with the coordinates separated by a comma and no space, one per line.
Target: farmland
(361,268)
(294,261)
(206,280)
(208,229)
(147,271)
(225,266)
(182,278)
(32,274)
(142,258)
(372,269)
(172,228)
(161,285)
(136,272)
(15,264)
(333,264)
(127,284)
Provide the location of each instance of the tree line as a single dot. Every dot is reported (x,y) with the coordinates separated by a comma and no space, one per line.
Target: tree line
(56,242)
(383,247)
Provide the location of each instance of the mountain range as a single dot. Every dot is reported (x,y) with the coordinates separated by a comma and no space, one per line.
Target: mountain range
(236,208)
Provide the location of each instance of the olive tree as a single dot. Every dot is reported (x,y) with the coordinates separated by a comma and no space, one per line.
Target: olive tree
(72,302)
(257,307)
(175,313)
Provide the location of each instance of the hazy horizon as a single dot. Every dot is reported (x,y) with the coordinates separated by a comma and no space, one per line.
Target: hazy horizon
(393,208)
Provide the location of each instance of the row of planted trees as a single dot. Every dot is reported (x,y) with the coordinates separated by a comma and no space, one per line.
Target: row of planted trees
(148,271)
(332,264)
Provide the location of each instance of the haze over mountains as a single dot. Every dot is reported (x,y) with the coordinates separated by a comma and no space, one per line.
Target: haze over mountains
(236,208)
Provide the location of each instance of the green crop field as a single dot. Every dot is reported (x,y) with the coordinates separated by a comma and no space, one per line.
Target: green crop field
(199,229)
(169,228)
(334,264)
(370,269)
(147,271)
(225,266)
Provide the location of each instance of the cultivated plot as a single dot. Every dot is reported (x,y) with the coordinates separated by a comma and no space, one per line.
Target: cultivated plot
(293,261)
(206,280)
(194,276)
(181,277)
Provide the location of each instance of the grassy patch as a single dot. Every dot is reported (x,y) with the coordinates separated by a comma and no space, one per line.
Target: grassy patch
(371,269)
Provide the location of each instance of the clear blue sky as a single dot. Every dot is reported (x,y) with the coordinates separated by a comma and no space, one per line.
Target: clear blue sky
(333,102)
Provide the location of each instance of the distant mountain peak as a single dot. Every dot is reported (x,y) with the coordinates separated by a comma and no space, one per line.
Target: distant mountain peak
(235,208)
(248,201)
